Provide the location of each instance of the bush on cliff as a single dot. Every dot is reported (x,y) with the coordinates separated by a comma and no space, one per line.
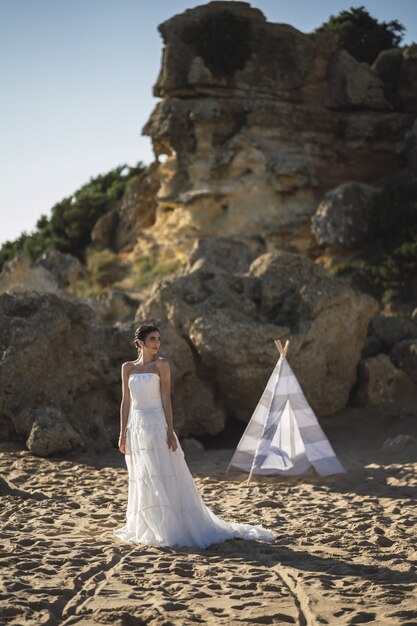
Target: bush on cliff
(69,227)
(362,35)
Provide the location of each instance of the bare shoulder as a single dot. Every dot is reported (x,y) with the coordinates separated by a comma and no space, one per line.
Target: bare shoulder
(127,366)
(162,364)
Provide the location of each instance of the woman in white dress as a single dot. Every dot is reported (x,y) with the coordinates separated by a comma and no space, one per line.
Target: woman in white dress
(164,507)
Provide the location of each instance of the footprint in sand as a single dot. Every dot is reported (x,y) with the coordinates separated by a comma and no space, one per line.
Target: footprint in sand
(245,605)
(174,606)
(362,618)
(343,611)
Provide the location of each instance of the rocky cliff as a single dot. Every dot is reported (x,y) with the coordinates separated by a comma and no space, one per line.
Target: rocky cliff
(222,323)
(59,373)
(258,120)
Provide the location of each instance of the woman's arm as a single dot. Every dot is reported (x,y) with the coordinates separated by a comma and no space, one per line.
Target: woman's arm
(165,374)
(125,404)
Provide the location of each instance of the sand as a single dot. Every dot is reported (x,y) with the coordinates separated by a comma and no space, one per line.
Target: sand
(346,552)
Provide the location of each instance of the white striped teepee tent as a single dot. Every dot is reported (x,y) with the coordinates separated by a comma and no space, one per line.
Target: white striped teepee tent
(283,435)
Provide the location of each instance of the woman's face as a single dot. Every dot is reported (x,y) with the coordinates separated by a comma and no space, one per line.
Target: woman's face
(153,342)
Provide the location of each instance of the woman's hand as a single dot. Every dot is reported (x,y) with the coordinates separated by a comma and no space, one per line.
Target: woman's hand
(122,443)
(172,442)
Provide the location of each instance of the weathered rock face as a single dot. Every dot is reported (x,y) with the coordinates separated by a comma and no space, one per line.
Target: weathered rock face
(380,381)
(397,70)
(229,320)
(353,85)
(343,216)
(392,330)
(113,307)
(409,150)
(52,272)
(221,252)
(388,368)
(104,231)
(404,356)
(118,229)
(258,125)
(137,209)
(21,274)
(50,432)
(65,268)
(57,366)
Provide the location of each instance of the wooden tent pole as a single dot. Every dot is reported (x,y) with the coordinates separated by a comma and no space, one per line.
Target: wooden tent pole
(250,475)
(282,350)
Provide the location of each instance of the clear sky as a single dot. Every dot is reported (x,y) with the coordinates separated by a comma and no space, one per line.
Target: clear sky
(76,88)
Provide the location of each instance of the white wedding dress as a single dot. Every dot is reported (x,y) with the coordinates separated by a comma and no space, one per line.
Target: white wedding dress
(164,507)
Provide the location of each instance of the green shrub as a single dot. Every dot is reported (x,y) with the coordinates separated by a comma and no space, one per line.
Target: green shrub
(105,267)
(148,270)
(106,271)
(69,227)
(362,35)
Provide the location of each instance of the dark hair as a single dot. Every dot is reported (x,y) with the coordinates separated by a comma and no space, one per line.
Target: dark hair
(142,332)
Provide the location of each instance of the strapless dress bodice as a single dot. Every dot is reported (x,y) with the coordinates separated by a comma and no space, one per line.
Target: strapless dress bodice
(145,391)
(145,399)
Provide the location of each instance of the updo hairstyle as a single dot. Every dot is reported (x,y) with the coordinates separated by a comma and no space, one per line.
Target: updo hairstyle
(142,332)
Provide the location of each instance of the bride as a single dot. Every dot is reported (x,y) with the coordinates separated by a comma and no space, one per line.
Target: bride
(164,507)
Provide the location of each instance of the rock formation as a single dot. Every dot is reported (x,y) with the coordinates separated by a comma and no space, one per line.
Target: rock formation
(380,381)
(397,70)
(404,356)
(257,121)
(343,216)
(119,228)
(388,368)
(60,376)
(392,330)
(228,319)
(51,273)
(60,373)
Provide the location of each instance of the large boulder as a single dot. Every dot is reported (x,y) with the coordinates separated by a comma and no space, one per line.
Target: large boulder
(50,433)
(52,272)
(229,320)
(380,381)
(54,354)
(343,216)
(393,329)
(397,69)
(354,85)
(404,356)
(22,274)
(64,267)
(221,252)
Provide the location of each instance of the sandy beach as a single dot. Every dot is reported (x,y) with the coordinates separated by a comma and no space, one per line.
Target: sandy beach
(346,552)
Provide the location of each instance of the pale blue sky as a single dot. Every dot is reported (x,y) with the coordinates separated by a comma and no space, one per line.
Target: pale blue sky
(76,88)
